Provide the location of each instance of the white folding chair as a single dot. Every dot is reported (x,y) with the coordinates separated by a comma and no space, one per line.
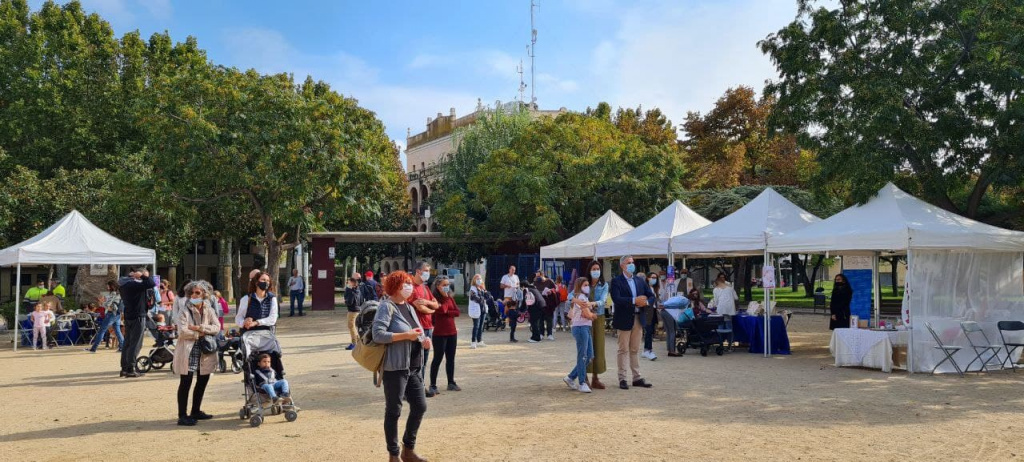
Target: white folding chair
(948,350)
(65,326)
(971,327)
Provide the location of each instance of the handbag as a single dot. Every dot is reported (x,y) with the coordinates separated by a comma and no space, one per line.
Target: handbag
(207,343)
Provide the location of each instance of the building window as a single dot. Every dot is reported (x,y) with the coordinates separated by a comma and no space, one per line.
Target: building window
(215,246)
(201,247)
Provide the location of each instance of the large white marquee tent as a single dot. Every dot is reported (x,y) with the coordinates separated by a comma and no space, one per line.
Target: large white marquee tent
(73,240)
(584,244)
(653,238)
(958,269)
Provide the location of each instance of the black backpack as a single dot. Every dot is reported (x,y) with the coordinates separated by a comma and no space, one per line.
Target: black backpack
(364,321)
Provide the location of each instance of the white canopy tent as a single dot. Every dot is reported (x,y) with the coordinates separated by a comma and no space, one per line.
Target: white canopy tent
(584,244)
(745,232)
(73,240)
(959,269)
(653,238)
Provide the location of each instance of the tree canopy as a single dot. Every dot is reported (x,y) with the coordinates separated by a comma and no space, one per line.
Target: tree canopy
(924,93)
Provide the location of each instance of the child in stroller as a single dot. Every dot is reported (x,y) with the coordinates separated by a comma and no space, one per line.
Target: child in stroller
(163,350)
(254,346)
(495,314)
(267,381)
(227,349)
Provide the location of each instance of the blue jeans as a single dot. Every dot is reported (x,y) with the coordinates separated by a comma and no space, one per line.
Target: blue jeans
(278,388)
(478,329)
(108,322)
(429,333)
(296,296)
(584,352)
(648,333)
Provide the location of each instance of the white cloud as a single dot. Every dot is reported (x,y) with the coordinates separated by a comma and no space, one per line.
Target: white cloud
(562,85)
(159,9)
(112,10)
(427,60)
(682,56)
(399,106)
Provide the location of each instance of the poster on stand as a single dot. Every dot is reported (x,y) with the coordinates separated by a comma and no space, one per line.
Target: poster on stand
(768,277)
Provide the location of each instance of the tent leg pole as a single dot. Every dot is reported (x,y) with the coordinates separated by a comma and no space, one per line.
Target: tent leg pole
(877,294)
(17,308)
(767,311)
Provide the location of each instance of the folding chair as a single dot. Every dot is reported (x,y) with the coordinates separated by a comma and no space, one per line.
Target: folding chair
(86,327)
(948,350)
(1010,326)
(971,327)
(65,327)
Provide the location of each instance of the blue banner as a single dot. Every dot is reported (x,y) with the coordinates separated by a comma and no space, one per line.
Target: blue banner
(860,282)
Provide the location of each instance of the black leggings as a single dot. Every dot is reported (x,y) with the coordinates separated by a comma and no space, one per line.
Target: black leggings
(197,397)
(444,348)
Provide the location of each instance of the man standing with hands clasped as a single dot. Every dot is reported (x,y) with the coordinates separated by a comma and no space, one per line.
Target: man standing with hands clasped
(425,304)
(133,290)
(629,295)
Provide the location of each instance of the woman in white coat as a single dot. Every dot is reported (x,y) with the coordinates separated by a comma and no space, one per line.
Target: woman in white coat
(724,296)
(477,310)
(195,319)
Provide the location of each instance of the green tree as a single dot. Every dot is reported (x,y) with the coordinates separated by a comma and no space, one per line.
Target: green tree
(562,173)
(731,145)
(291,154)
(925,93)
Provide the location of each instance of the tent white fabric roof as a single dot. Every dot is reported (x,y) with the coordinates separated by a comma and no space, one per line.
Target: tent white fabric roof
(74,240)
(653,237)
(584,244)
(745,231)
(894,221)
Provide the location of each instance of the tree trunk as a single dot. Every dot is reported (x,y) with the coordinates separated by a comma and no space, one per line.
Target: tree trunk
(895,276)
(224,259)
(798,271)
(809,282)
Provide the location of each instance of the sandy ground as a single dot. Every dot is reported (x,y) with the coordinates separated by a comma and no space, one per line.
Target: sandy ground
(70,405)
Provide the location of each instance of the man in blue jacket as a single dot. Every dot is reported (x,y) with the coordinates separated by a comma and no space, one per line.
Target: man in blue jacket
(629,294)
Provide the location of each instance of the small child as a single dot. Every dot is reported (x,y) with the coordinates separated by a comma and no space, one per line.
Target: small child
(582,316)
(268,381)
(41,319)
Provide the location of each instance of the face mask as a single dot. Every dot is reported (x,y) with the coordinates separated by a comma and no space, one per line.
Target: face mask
(595,274)
(631,268)
(446,289)
(406,290)
(263,285)
(654,282)
(586,290)
(477,282)
(196,301)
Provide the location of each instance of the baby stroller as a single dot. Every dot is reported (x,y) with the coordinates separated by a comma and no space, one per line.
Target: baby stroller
(494,317)
(228,350)
(257,402)
(163,350)
(702,333)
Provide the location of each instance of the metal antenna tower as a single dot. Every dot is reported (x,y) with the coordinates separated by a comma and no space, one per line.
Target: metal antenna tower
(522,84)
(533,55)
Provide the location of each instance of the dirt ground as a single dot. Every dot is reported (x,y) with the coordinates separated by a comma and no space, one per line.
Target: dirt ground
(69,405)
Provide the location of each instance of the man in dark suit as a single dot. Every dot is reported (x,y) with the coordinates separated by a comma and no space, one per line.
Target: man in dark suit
(134,295)
(629,294)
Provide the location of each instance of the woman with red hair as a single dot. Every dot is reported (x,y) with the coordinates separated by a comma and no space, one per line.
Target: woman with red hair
(397,326)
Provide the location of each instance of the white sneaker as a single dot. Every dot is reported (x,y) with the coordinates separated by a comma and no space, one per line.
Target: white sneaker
(584,388)
(551,337)
(481,344)
(533,341)
(571,383)
(472,345)
(652,356)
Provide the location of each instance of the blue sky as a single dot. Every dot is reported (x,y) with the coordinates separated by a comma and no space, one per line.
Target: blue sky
(408,60)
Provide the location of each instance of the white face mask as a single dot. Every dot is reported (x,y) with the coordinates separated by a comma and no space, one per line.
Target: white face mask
(586,290)
(406,290)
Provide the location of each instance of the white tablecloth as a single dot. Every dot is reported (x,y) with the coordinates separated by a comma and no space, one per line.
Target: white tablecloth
(865,348)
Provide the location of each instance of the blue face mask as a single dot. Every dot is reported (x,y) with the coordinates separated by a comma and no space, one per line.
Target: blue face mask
(595,274)
(195,301)
(631,268)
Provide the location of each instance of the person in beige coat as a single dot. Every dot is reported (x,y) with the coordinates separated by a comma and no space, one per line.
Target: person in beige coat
(195,319)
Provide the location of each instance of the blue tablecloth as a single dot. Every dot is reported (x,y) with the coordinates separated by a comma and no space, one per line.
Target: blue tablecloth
(750,330)
(62,338)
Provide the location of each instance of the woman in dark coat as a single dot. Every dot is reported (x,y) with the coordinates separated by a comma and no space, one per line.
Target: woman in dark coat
(840,303)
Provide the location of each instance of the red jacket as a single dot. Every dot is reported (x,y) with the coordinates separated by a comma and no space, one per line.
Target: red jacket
(444,318)
(421,291)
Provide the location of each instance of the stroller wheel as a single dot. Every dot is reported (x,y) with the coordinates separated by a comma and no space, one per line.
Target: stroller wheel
(255,421)
(159,365)
(720,350)
(291,416)
(243,413)
(143,364)
(703,351)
